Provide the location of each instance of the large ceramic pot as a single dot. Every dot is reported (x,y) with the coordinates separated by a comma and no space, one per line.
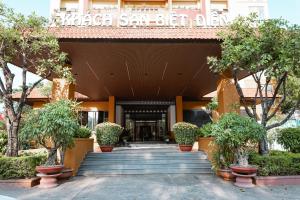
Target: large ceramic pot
(106,148)
(66,173)
(54,169)
(244,175)
(207,145)
(226,174)
(243,169)
(185,147)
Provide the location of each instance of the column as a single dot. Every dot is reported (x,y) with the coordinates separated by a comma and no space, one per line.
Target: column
(170,5)
(83,6)
(179,109)
(54,5)
(62,89)
(228,97)
(111,109)
(203,8)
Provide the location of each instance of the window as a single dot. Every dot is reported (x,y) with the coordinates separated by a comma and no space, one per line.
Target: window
(91,119)
(259,10)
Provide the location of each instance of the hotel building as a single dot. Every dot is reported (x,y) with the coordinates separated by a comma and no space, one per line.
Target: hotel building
(143,63)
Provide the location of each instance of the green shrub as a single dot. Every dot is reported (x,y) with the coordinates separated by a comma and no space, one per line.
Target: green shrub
(55,122)
(83,132)
(276,163)
(108,133)
(236,135)
(20,167)
(206,130)
(213,104)
(3,141)
(185,133)
(289,138)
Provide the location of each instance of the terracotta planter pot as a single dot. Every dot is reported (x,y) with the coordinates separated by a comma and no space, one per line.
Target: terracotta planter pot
(48,180)
(243,170)
(106,148)
(185,147)
(244,175)
(66,173)
(225,174)
(55,169)
(207,145)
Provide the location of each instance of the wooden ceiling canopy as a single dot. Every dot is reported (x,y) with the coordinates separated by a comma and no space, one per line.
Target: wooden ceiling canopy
(142,69)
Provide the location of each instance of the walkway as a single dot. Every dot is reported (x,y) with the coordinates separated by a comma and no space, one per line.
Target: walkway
(152,187)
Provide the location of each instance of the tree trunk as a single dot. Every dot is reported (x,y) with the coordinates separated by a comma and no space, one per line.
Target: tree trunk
(52,155)
(263,146)
(12,131)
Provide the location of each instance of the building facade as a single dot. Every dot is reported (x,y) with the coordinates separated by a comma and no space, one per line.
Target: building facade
(143,63)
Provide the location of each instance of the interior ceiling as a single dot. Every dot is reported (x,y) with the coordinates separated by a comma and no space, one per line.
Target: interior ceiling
(142,70)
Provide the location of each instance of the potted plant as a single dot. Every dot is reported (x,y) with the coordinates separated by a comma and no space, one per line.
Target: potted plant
(205,140)
(53,127)
(212,107)
(81,135)
(125,137)
(222,160)
(108,135)
(185,134)
(83,132)
(237,135)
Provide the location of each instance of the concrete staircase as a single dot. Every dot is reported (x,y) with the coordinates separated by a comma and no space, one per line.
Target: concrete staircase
(145,161)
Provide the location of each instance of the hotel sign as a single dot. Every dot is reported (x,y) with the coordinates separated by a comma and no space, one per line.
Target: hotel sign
(135,20)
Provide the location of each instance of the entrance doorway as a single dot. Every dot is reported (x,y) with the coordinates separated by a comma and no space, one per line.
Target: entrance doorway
(146,123)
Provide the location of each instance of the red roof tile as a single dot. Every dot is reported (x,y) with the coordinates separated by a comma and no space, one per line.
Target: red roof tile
(135,33)
(37,94)
(248,93)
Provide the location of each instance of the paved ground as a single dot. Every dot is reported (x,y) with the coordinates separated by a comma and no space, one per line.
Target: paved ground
(146,187)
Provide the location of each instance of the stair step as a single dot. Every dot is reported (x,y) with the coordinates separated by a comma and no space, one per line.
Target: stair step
(143,172)
(144,162)
(158,166)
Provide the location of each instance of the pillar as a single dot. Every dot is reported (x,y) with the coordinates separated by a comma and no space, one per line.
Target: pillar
(62,89)
(179,109)
(228,97)
(111,109)
(83,6)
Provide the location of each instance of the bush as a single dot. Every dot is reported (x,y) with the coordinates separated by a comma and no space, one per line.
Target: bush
(206,129)
(276,163)
(289,138)
(55,122)
(108,133)
(235,135)
(83,132)
(20,167)
(185,133)
(3,141)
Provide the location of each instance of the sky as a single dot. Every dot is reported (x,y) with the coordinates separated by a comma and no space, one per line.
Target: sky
(287,9)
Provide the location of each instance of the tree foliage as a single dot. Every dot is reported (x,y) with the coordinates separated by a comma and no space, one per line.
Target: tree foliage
(269,51)
(26,42)
(234,134)
(53,127)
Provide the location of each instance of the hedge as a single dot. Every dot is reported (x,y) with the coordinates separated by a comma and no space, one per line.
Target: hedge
(289,138)
(277,163)
(20,167)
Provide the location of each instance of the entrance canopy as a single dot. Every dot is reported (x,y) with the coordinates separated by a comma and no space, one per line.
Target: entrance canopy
(148,66)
